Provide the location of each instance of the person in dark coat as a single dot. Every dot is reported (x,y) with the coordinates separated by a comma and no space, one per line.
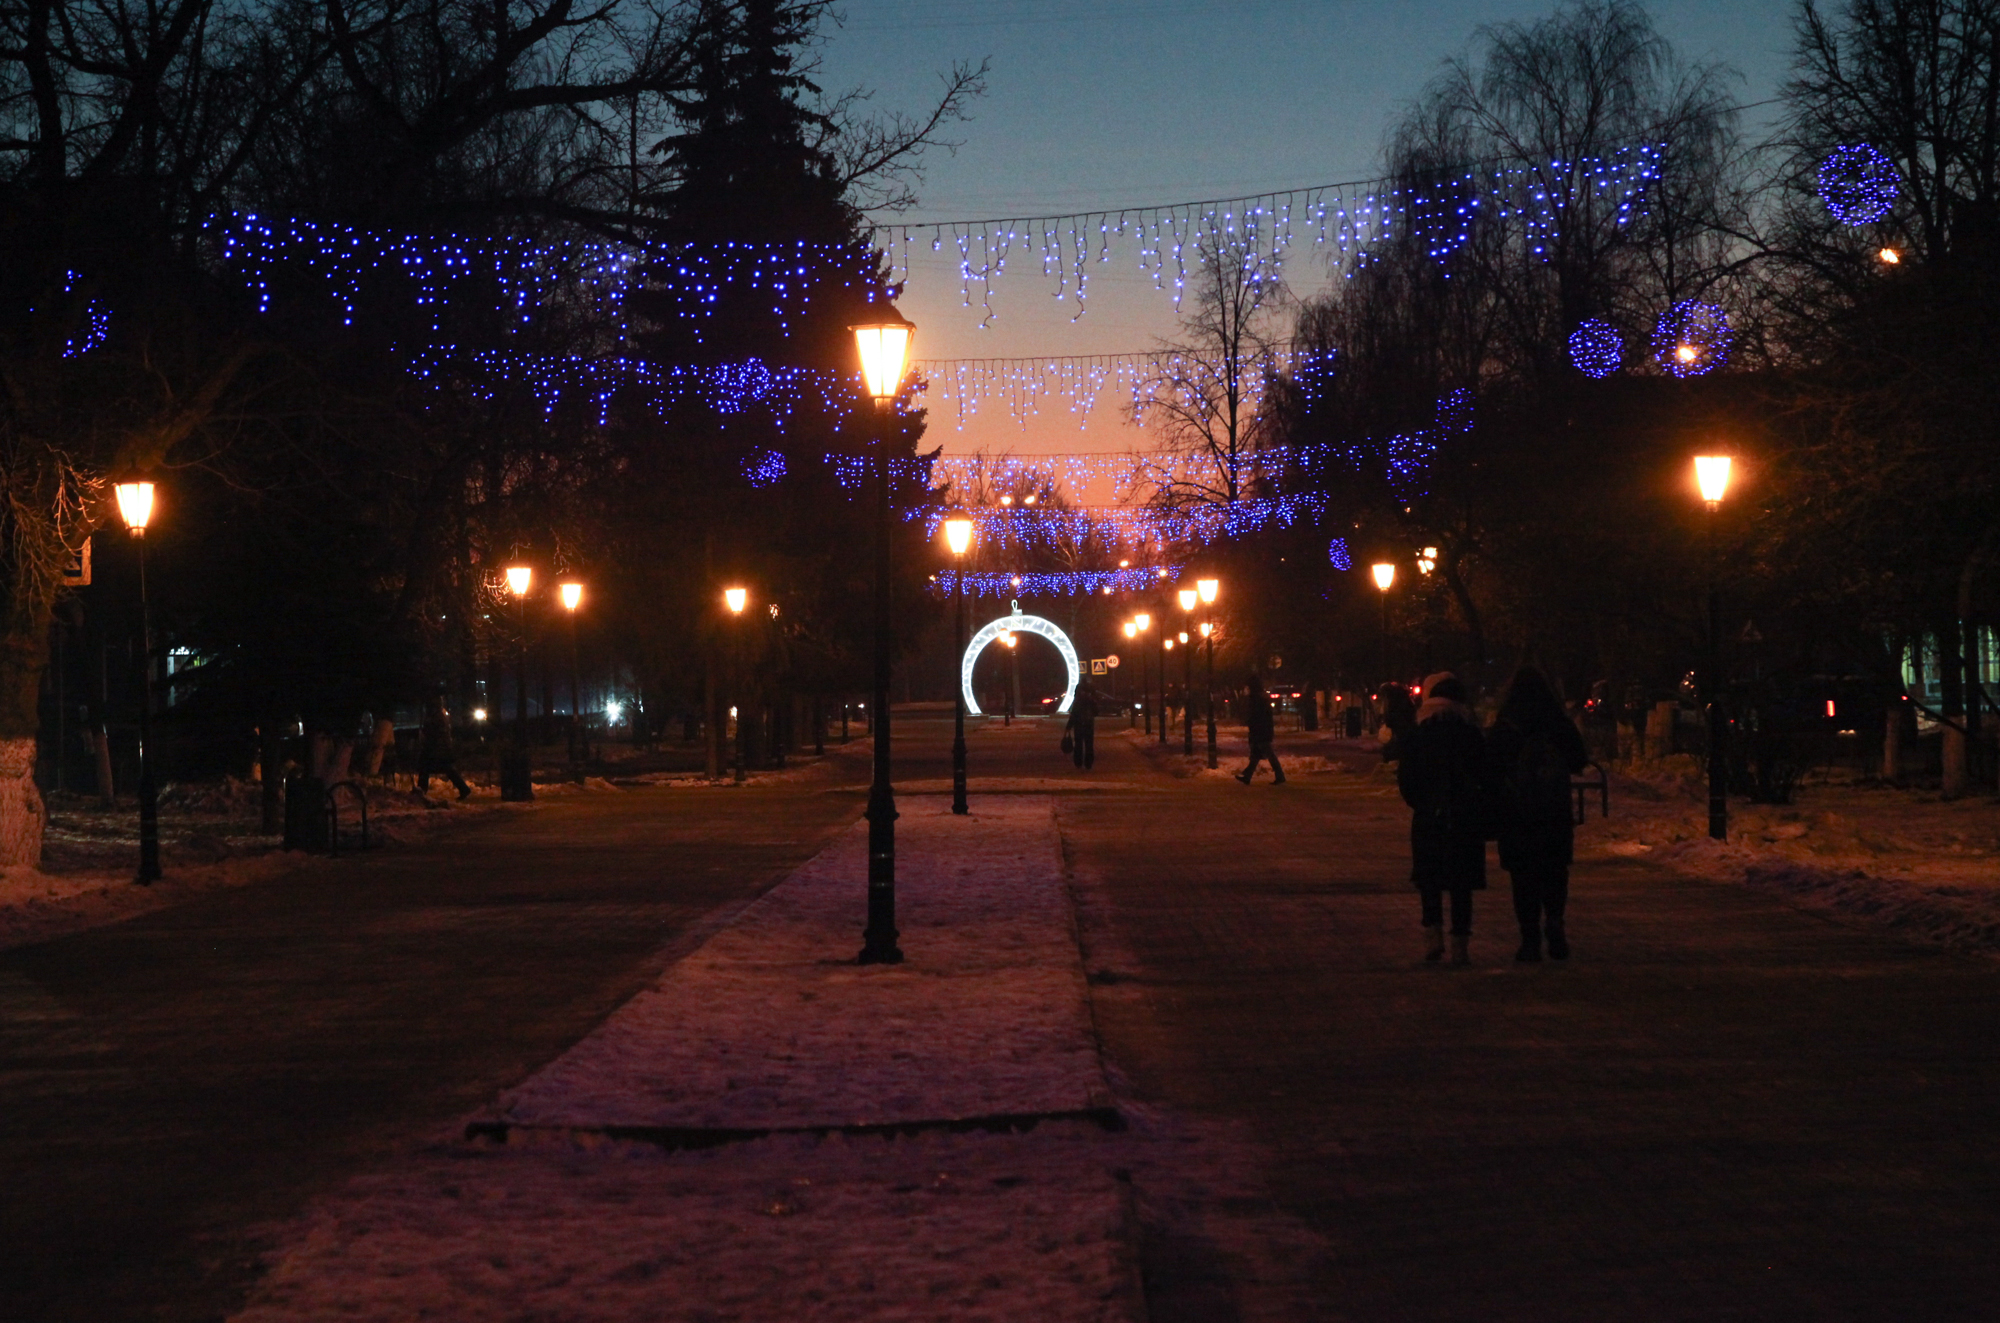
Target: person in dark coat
(1082,727)
(1263,732)
(1399,718)
(1443,774)
(1534,749)
(436,755)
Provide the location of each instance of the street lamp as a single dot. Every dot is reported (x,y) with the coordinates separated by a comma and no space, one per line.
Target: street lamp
(884,347)
(1131,632)
(1142,622)
(1188,598)
(1711,475)
(736,599)
(135,507)
(570,594)
(958,536)
(517,781)
(1208,590)
(1385,578)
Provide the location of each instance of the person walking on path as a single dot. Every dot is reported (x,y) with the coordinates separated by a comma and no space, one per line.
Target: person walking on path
(1082,728)
(1399,718)
(437,757)
(1263,730)
(1534,749)
(1444,777)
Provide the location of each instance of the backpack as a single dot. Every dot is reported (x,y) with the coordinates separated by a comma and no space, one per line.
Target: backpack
(1538,782)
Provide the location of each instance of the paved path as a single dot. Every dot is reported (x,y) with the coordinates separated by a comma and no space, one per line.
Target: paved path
(167,1082)
(1721,1108)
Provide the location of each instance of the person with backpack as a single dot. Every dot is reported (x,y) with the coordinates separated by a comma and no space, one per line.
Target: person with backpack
(1081,729)
(1443,775)
(1535,749)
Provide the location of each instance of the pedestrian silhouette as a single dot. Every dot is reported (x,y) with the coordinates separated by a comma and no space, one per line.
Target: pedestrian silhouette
(437,756)
(1399,718)
(1444,776)
(1082,727)
(1263,731)
(1534,749)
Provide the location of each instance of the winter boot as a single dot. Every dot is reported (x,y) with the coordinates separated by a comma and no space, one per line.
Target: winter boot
(1433,942)
(1558,941)
(1531,945)
(1461,948)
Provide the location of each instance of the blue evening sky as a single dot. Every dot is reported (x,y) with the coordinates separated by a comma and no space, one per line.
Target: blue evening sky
(1094,107)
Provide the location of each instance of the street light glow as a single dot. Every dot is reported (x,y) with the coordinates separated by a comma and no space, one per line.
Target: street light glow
(958,534)
(572,595)
(1888,256)
(1144,620)
(1207,628)
(1189,597)
(736,599)
(1385,574)
(1427,560)
(1208,589)
(884,347)
(1686,353)
(519,579)
(1711,474)
(135,505)
(1131,630)
(479,714)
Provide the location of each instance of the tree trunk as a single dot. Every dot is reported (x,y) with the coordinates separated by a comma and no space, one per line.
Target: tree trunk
(379,744)
(1892,743)
(1951,678)
(22,816)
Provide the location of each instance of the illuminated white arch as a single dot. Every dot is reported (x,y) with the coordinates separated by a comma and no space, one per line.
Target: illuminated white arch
(1019,624)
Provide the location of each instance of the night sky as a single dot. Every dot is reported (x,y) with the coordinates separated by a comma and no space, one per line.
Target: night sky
(1123,103)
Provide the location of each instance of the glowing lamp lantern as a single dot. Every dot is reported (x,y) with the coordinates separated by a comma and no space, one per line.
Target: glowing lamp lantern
(1131,630)
(1385,575)
(1144,620)
(1427,560)
(572,595)
(736,599)
(1207,629)
(135,505)
(1184,636)
(1711,474)
(958,535)
(1189,596)
(519,579)
(884,346)
(1888,256)
(1208,589)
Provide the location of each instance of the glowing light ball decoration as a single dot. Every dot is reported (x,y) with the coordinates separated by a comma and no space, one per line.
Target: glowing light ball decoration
(1858,184)
(1338,556)
(1596,348)
(1692,338)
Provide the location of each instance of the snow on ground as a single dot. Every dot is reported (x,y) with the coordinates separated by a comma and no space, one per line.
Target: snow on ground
(771,1025)
(1908,859)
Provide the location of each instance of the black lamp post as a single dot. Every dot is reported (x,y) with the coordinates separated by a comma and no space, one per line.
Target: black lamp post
(1385,579)
(736,599)
(1711,474)
(571,595)
(884,347)
(958,536)
(1165,644)
(1188,598)
(135,506)
(1208,590)
(1141,622)
(517,780)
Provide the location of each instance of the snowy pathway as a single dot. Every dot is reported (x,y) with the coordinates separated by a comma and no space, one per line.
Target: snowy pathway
(770,1029)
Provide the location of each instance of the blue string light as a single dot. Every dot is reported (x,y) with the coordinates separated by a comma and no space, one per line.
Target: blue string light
(1858,183)
(1338,556)
(1692,338)
(1596,348)
(1069,583)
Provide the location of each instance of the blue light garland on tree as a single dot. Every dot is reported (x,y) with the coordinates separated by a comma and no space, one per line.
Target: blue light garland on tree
(1061,583)
(1692,338)
(1859,183)
(1596,348)
(1338,556)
